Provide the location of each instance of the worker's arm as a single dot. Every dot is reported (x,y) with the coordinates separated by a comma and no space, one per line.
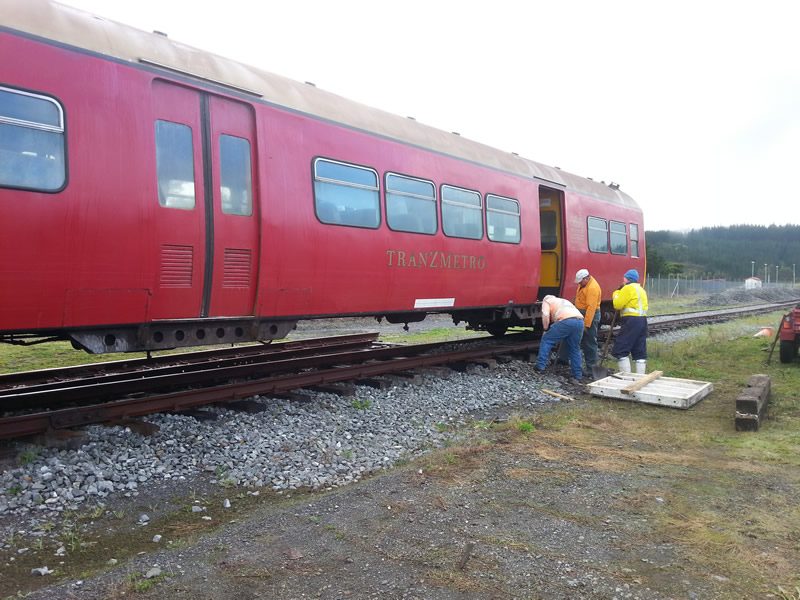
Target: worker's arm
(545,315)
(592,302)
(620,298)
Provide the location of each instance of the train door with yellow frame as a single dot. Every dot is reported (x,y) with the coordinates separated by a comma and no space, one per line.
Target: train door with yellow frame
(551,203)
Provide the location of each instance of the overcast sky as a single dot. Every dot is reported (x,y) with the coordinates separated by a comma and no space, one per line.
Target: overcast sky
(693,107)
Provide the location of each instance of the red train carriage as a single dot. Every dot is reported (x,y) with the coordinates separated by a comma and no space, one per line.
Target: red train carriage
(155,196)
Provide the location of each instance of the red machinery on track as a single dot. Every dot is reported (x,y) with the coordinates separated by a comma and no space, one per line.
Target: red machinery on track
(155,196)
(790,335)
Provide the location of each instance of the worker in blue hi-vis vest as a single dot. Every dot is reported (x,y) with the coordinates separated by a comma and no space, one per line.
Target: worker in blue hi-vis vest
(631,302)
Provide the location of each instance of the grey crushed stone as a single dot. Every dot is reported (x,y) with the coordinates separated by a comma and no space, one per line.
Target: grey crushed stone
(325,442)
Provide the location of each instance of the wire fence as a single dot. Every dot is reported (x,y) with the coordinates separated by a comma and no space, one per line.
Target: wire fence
(677,285)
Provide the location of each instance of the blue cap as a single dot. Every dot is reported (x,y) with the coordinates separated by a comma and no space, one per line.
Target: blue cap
(632,275)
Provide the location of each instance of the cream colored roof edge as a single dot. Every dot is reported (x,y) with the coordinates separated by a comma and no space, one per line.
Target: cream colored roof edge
(74,27)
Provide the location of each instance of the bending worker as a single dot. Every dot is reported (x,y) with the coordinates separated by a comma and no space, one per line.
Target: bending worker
(587,300)
(631,301)
(567,326)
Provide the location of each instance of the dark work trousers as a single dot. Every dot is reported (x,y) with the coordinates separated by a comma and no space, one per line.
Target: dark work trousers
(632,339)
(589,341)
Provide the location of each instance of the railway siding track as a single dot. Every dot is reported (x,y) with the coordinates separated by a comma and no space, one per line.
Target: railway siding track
(328,368)
(185,361)
(207,371)
(137,388)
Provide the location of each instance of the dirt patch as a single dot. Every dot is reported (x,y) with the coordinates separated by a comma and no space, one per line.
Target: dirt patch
(579,507)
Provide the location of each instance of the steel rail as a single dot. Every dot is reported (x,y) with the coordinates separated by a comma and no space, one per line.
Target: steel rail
(663,323)
(335,369)
(57,374)
(25,399)
(30,424)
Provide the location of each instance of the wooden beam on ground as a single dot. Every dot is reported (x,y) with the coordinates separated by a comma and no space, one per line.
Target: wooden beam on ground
(751,404)
(559,396)
(640,383)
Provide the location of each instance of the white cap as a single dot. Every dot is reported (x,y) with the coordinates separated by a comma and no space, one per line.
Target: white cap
(581,275)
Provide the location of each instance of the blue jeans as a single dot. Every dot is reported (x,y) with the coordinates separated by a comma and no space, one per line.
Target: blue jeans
(588,344)
(570,331)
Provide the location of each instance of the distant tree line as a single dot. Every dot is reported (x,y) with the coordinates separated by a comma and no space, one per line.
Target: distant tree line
(725,252)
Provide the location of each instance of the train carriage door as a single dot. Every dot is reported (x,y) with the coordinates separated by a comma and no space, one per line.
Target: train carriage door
(235,241)
(550,221)
(179,223)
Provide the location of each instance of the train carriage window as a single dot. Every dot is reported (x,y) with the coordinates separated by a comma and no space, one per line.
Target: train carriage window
(619,238)
(32,153)
(502,219)
(462,213)
(236,189)
(346,194)
(598,235)
(634,240)
(410,204)
(175,165)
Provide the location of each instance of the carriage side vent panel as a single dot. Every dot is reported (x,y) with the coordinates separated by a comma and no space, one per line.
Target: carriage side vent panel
(176,266)
(237,268)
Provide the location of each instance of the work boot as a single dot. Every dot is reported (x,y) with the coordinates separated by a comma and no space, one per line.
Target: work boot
(624,364)
(641,366)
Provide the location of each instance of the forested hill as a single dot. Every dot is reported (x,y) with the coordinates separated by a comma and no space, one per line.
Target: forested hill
(725,252)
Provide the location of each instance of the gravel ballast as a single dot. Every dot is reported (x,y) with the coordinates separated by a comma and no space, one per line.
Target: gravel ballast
(320,441)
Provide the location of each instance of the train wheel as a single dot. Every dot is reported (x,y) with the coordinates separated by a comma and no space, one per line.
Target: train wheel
(788,351)
(497,329)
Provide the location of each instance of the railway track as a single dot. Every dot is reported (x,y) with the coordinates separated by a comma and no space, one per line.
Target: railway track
(63,398)
(672,322)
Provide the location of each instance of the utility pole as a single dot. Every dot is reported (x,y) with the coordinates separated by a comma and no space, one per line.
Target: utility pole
(776,274)
(794,281)
(752,268)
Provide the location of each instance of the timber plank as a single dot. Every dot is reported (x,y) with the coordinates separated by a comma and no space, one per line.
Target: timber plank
(751,404)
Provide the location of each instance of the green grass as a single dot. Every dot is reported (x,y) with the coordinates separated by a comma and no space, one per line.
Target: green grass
(732,495)
(525,427)
(361,404)
(667,306)
(28,456)
(140,585)
(439,334)
(664,305)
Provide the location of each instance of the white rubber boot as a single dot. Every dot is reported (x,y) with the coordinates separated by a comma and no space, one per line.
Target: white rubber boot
(641,366)
(624,365)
